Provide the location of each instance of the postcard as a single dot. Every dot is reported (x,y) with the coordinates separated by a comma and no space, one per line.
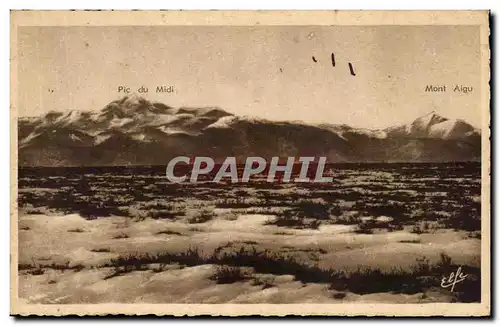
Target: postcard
(235,163)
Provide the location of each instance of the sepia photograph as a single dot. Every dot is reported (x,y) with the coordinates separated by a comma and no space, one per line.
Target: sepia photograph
(309,163)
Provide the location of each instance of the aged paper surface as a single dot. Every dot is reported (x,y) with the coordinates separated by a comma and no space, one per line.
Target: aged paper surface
(250,163)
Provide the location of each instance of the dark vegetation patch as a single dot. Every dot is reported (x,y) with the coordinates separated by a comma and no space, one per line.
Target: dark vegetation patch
(282,233)
(121,236)
(420,277)
(36,271)
(159,267)
(76,230)
(162,214)
(304,215)
(250,242)
(228,274)
(474,234)
(339,295)
(308,209)
(468,218)
(366,227)
(101,250)
(264,283)
(169,232)
(397,211)
(39,269)
(202,217)
(290,220)
(409,241)
(420,228)
(35,211)
(408,193)
(236,203)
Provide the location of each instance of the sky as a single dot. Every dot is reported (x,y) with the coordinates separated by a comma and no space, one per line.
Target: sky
(263,71)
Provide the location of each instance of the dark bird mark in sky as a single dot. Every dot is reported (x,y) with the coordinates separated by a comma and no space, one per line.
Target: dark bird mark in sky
(351,69)
(281,70)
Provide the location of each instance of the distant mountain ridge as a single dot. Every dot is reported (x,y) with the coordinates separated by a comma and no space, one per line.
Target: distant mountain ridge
(134,131)
(435,126)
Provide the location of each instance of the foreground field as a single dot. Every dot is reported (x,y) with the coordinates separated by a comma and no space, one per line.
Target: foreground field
(385,234)
(67,259)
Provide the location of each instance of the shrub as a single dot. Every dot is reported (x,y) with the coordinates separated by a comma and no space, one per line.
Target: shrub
(162,214)
(159,268)
(445,263)
(467,219)
(288,219)
(420,228)
(228,275)
(202,217)
(393,210)
(36,271)
(366,227)
(76,230)
(169,232)
(314,210)
(339,295)
(101,250)
(121,236)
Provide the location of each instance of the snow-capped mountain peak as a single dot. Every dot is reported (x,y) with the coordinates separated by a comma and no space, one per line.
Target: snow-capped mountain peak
(133,130)
(433,125)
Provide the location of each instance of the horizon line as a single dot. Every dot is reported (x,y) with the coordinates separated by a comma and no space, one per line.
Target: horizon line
(139,97)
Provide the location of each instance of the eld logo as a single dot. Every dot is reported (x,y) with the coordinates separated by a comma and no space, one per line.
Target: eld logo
(307,168)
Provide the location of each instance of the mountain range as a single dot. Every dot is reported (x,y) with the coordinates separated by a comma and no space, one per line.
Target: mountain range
(135,131)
